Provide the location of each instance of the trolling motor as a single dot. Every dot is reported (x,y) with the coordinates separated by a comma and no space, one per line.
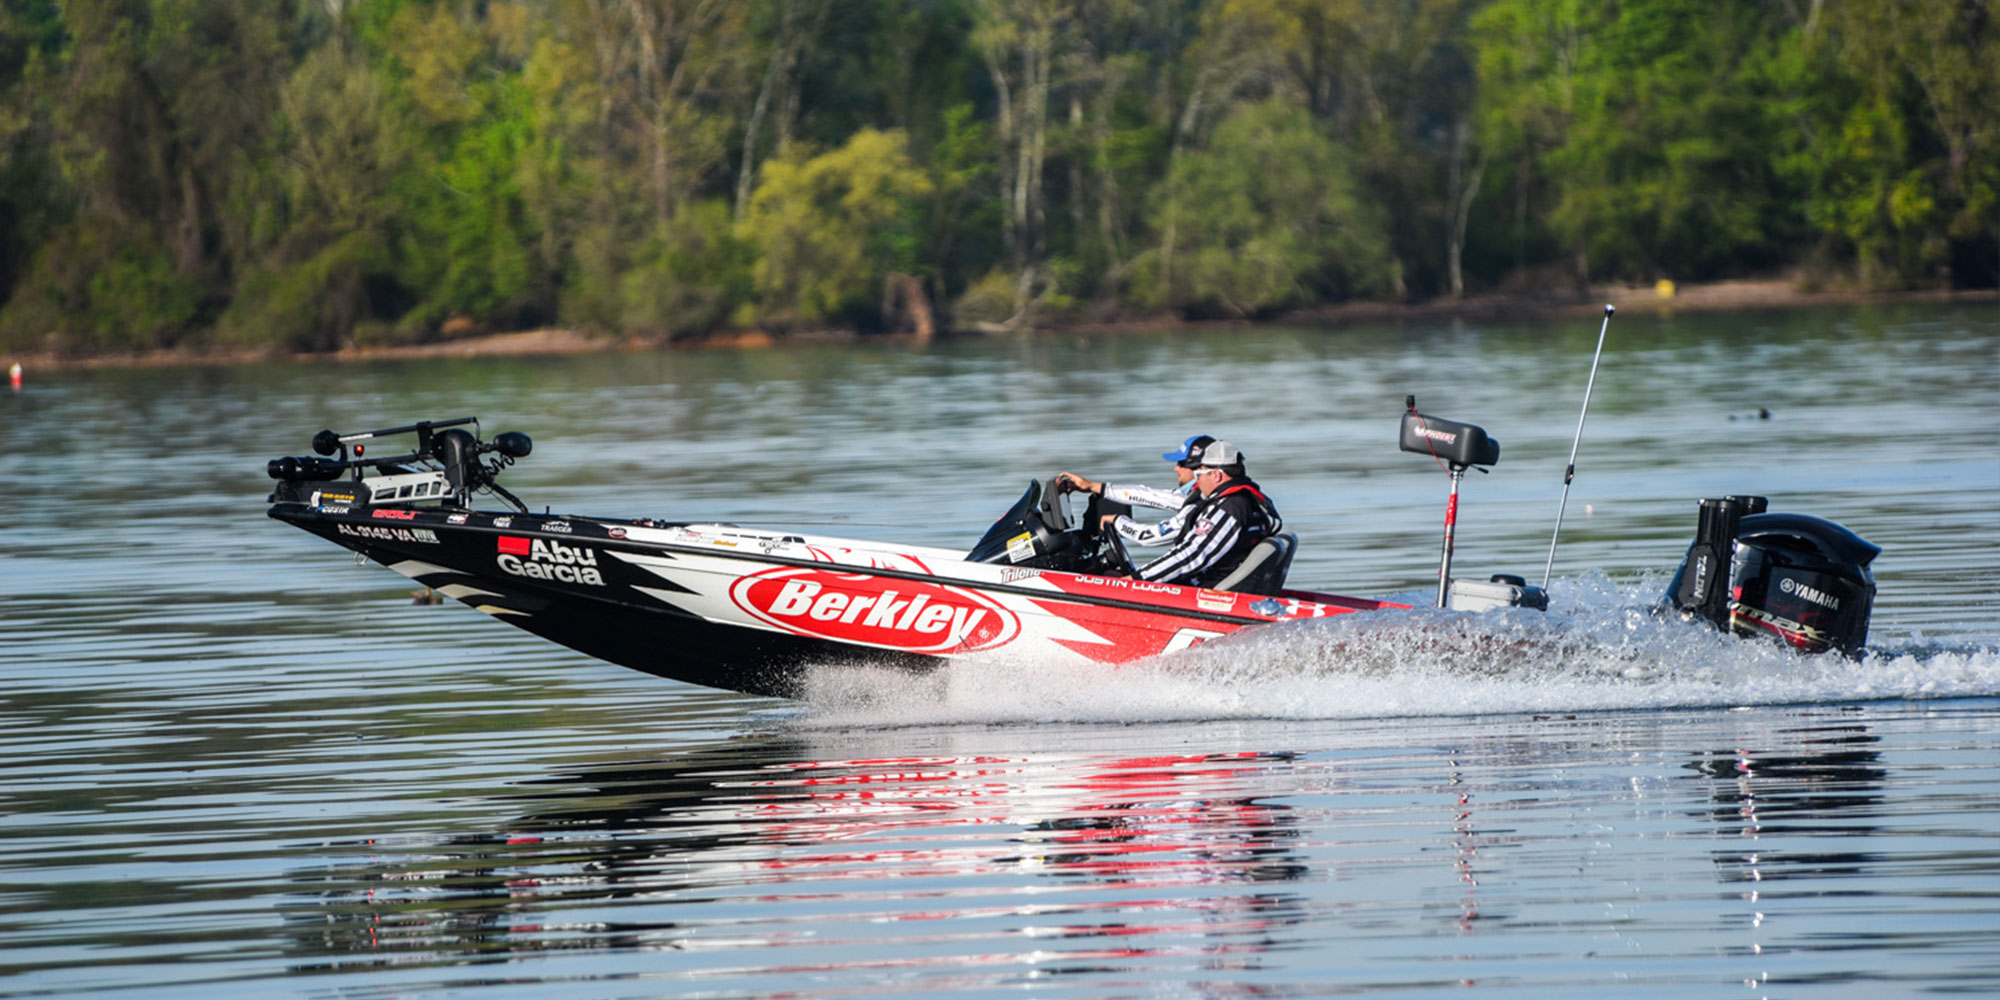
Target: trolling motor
(1459,447)
(1796,578)
(446,468)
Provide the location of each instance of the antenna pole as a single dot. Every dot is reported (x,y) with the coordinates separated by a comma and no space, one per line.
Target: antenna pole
(1570,472)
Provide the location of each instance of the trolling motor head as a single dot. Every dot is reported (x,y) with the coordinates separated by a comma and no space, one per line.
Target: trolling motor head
(1800,579)
(1450,442)
(1460,446)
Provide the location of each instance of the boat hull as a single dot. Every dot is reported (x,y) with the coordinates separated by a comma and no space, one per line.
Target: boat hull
(755,611)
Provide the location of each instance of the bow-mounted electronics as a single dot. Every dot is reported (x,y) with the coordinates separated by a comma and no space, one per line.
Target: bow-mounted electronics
(444,468)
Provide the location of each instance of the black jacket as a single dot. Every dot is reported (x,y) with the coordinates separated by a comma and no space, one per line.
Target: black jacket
(1220,529)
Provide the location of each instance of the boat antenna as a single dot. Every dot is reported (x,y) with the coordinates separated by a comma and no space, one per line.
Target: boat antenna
(1570,472)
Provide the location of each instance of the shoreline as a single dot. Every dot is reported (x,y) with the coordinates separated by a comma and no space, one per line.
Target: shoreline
(554,341)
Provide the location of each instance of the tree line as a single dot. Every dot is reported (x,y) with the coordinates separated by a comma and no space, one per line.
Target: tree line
(304,174)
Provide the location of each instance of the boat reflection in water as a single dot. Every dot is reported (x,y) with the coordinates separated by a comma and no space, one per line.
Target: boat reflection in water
(1802,812)
(1097,857)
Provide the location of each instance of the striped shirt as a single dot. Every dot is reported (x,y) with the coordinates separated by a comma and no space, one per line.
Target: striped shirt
(1221,528)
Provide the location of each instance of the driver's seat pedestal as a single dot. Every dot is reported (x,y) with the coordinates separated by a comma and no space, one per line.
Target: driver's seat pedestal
(1263,569)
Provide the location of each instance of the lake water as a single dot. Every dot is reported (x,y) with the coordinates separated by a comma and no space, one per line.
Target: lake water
(233,764)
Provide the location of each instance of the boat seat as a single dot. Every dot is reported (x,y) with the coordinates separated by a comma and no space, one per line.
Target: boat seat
(1263,569)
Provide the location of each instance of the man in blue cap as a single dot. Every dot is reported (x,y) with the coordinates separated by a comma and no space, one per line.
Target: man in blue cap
(1185,459)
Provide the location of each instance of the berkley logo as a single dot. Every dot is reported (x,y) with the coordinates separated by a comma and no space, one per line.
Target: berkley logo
(548,559)
(913,615)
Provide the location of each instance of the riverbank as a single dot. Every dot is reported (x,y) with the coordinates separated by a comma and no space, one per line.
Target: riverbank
(1712,296)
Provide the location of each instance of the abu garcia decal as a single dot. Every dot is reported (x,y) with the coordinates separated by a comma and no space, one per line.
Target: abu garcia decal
(548,559)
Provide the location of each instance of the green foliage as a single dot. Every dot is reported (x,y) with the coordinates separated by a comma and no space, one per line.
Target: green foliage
(1648,129)
(1265,217)
(309,304)
(827,228)
(309,174)
(689,278)
(95,289)
(1909,165)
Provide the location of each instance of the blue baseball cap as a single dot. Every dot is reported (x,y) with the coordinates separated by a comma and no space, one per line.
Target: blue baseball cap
(1189,453)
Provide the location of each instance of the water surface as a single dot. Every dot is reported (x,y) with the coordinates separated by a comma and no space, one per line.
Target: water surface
(234,764)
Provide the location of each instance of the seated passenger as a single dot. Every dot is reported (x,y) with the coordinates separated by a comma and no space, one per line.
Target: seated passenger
(1185,458)
(1219,526)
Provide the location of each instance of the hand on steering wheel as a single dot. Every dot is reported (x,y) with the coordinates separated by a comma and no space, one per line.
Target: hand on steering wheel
(1070,482)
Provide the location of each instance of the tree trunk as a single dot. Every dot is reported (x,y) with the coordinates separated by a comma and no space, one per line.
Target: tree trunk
(906,305)
(1463,190)
(781,57)
(1004,118)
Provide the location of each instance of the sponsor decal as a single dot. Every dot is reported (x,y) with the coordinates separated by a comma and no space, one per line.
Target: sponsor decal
(1813,594)
(1010,574)
(548,559)
(1702,563)
(396,515)
(1021,547)
(912,615)
(1746,620)
(456,519)
(1446,436)
(384,533)
(328,497)
(615,532)
(559,527)
(1214,600)
(503,522)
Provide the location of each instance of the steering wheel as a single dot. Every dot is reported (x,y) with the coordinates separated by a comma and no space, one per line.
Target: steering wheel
(1053,510)
(1114,548)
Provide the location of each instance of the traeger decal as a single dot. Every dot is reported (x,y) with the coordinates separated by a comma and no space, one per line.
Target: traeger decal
(913,615)
(548,559)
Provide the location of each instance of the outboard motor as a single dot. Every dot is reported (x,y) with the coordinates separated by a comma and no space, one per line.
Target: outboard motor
(1801,579)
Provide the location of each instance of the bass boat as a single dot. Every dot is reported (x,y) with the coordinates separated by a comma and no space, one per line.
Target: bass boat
(753,610)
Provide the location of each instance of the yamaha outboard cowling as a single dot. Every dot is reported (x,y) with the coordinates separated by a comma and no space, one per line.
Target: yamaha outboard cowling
(1801,579)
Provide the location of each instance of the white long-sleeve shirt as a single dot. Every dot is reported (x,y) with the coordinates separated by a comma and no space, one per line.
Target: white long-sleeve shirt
(1140,495)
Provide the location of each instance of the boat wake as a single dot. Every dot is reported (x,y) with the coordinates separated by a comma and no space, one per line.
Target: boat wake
(1600,647)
